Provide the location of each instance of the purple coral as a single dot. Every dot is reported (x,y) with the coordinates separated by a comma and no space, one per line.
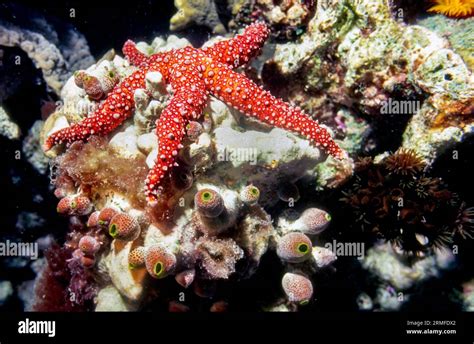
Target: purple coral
(64,285)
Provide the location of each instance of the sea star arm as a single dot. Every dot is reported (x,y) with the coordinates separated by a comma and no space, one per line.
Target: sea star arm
(188,102)
(135,56)
(243,94)
(118,106)
(240,49)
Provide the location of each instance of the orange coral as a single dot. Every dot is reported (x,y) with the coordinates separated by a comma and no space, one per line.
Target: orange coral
(454,8)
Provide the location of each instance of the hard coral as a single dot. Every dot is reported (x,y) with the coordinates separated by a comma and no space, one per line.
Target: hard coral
(288,19)
(200,12)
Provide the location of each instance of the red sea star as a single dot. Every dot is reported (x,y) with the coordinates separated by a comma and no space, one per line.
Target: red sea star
(193,74)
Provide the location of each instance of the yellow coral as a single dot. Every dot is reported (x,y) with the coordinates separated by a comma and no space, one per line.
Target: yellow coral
(200,12)
(454,8)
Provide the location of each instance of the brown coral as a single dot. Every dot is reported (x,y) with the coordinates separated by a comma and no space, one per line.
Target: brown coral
(405,162)
(397,201)
(464,225)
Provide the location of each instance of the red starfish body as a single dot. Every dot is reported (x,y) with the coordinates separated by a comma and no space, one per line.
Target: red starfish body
(193,74)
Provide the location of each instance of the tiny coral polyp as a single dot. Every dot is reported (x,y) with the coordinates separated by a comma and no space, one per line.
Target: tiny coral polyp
(454,8)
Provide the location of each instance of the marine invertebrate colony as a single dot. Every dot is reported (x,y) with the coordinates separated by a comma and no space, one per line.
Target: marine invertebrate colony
(193,75)
(454,8)
(399,202)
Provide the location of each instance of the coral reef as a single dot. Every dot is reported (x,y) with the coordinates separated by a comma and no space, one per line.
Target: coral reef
(212,226)
(185,184)
(397,276)
(8,128)
(37,56)
(399,272)
(394,199)
(192,73)
(32,148)
(287,19)
(43,53)
(55,54)
(367,60)
(200,12)
(459,33)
